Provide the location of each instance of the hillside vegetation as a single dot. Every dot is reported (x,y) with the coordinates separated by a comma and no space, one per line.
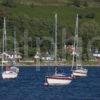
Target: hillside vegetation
(33,20)
(54,2)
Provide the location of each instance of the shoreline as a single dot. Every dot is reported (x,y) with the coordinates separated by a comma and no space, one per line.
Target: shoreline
(63,65)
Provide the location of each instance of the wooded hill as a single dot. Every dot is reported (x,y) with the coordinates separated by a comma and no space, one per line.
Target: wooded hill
(32,20)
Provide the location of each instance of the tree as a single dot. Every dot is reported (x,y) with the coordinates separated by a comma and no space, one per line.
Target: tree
(85,3)
(88,30)
(8,3)
(75,3)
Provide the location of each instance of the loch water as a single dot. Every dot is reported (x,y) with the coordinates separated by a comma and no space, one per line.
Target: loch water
(29,85)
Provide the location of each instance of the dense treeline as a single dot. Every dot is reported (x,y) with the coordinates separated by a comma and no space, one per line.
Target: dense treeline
(32,22)
(76,3)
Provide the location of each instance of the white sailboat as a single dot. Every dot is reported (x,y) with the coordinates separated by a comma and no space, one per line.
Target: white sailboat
(14,67)
(7,73)
(78,70)
(57,78)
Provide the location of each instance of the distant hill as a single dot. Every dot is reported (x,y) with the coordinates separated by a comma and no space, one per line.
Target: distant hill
(36,17)
(37,2)
(55,2)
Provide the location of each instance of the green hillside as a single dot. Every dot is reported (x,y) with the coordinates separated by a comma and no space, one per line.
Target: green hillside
(38,21)
(54,2)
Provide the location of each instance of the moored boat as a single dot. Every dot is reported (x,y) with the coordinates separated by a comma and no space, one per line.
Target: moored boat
(7,73)
(78,70)
(58,79)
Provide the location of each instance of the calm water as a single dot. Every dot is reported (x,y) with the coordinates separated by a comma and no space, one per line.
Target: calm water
(30,86)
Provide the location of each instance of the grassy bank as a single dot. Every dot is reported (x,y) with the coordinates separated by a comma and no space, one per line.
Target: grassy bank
(66,15)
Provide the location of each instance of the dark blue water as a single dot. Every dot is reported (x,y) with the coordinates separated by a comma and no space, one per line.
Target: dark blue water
(30,86)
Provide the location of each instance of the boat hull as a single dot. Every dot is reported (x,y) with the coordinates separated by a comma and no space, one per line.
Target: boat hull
(80,72)
(9,74)
(58,80)
(15,69)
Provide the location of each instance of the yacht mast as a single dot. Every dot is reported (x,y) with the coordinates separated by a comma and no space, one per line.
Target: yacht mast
(15,42)
(75,43)
(14,46)
(55,38)
(76,40)
(5,38)
(55,42)
(4,41)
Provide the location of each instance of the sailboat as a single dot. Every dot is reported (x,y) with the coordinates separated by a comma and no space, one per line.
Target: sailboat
(7,73)
(78,70)
(14,67)
(57,78)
